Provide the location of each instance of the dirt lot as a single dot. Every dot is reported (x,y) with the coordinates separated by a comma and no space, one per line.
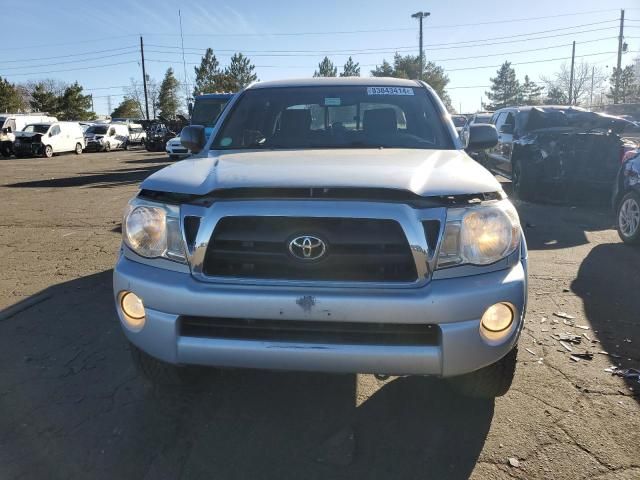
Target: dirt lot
(71,405)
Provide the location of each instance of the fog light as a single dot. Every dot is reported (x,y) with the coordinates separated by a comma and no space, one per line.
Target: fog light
(498,317)
(133,310)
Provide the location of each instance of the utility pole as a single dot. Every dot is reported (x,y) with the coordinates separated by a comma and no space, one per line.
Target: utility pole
(420,16)
(109,104)
(92,109)
(620,46)
(573,58)
(184,64)
(593,72)
(144,80)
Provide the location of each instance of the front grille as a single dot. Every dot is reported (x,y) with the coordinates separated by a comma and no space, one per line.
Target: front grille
(358,250)
(351,333)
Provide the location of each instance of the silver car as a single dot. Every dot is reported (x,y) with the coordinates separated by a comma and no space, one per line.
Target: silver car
(332,225)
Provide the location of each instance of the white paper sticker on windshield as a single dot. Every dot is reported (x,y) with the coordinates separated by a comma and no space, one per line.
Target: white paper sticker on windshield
(332,102)
(389,91)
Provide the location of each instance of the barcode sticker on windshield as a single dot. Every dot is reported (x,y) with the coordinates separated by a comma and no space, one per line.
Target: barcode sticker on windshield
(389,91)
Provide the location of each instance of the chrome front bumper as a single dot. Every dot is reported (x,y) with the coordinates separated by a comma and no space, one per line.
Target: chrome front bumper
(455,305)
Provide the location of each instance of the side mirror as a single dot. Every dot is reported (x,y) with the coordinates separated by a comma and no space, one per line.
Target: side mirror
(193,138)
(9,130)
(51,134)
(507,128)
(481,137)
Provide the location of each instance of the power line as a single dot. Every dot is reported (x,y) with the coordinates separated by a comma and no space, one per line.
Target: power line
(67,56)
(395,50)
(71,61)
(73,69)
(341,32)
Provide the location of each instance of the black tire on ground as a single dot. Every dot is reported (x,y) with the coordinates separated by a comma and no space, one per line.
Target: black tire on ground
(523,181)
(628,218)
(5,152)
(126,146)
(162,374)
(107,147)
(48,151)
(78,149)
(488,382)
(174,157)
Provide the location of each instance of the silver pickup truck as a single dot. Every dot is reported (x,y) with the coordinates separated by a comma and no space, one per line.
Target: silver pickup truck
(333,225)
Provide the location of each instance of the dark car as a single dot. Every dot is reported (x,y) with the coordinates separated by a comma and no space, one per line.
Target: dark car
(564,149)
(626,199)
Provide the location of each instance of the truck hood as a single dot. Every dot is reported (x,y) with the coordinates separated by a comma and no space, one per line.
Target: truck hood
(28,134)
(423,172)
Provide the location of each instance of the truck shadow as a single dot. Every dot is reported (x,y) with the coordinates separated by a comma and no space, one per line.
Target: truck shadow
(607,281)
(113,178)
(73,404)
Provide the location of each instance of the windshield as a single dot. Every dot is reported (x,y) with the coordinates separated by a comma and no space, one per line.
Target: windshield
(36,128)
(97,129)
(207,110)
(2,120)
(459,120)
(334,117)
(482,119)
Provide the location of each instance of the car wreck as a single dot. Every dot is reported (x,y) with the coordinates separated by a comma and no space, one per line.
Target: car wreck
(557,151)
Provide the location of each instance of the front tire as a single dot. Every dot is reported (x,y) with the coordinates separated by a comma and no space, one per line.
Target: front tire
(48,151)
(78,149)
(488,382)
(125,146)
(107,147)
(628,218)
(523,181)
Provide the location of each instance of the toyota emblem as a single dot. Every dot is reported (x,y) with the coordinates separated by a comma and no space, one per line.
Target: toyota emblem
(307,247)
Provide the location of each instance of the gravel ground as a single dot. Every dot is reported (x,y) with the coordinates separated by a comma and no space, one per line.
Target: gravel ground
(73,407)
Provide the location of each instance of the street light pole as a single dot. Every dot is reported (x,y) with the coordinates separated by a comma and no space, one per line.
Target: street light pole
(420,16)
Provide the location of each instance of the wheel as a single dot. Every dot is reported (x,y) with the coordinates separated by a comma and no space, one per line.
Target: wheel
(125,146)
(107,147)
(162,374)
(48,151)
(628,223)
(5,152)
(174,157)
(488,382)
(523,181)
(78,149)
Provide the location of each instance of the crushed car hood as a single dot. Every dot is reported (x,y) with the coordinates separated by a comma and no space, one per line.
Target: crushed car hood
(423,172)
(28,134)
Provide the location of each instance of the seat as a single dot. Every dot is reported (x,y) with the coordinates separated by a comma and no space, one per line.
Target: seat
(295,124)
(380,121)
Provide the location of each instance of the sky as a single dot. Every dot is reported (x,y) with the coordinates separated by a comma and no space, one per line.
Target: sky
(98,46)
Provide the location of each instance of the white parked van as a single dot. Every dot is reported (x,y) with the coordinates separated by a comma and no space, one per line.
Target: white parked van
(49,138)
(137,135)
(10,123)
(106,137)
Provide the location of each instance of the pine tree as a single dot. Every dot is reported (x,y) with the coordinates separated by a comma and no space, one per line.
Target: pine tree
(326,68)
(44,100)
(505,88)
(350,69)
(73,105)
(628,85)
(240,72)
(531,92)
(168,102)
(206,74)
(128,108)
(384,70)
(555,96)
(10,98)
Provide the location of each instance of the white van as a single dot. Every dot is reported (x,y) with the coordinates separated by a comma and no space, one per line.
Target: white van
(137,135)
(10,123)
(106,137)
(49,138)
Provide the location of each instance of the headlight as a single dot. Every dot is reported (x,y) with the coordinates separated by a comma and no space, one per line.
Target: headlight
(480,235)
(151,233)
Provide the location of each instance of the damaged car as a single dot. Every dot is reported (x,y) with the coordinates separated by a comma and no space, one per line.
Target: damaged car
(326,224)
(47,139)
(626,199)
(565,149)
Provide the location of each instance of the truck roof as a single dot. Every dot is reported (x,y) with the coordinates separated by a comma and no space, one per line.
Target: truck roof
(215,95)
(338,81)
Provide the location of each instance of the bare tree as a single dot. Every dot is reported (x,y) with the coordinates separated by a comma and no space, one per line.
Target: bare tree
(582,75)
(135,92)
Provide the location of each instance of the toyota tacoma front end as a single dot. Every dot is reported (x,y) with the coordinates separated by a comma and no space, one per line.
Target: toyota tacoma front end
(326,225)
